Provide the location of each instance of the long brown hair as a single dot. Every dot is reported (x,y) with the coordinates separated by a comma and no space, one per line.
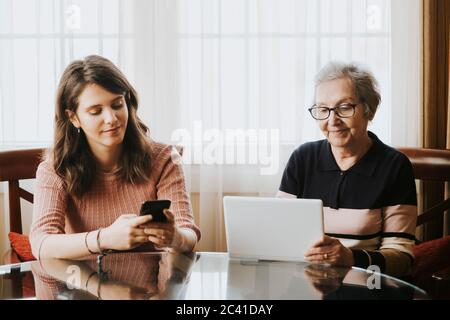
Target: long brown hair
(71,155)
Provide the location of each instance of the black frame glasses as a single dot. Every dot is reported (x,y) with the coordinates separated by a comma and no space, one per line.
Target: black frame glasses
(339,110)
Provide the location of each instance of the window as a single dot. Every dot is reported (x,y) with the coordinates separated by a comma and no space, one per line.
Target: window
(38,38)
(251,64)
(229,64)
(209,67)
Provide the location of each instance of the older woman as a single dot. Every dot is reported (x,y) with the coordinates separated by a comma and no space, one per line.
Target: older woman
(367,187)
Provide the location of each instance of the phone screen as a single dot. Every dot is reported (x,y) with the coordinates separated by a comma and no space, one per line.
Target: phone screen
(155,208)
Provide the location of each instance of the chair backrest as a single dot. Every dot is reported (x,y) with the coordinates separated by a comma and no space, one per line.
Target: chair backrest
(430,165)
(15,166)
(18,165)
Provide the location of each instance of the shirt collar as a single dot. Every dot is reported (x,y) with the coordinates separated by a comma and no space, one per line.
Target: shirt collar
(365,166)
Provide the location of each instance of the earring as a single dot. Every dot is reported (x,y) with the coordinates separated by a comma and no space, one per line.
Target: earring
(78,129)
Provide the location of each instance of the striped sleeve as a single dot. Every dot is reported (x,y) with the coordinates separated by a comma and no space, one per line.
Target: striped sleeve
(171,186)
(400,212)
(50,207)
(399,216)
(399,228)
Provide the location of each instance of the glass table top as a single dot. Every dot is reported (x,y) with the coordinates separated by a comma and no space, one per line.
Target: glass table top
(199,276)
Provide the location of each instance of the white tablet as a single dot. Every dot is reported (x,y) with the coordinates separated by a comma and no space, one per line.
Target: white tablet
(271,228)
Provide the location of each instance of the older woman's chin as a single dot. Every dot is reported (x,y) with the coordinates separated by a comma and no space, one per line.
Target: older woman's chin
(339,133)
(338,144)
(338,139)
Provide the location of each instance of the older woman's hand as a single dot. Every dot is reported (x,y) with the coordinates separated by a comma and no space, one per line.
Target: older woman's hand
(325,279)
(331,251)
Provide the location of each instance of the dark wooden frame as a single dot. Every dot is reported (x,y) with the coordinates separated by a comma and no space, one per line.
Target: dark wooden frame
(430,165)
(18,165)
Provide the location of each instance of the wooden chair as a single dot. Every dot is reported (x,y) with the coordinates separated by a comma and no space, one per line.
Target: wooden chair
(15,166)
(432,165)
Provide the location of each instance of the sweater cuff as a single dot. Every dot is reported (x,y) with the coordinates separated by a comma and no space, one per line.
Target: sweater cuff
(361,258)
(364,259)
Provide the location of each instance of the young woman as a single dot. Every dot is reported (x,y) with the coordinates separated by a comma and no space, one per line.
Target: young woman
(102,167)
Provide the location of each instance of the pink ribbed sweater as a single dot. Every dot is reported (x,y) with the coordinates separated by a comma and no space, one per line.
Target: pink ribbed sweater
(56,212)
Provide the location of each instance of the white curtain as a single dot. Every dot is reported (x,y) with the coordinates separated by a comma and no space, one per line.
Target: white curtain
(229,79)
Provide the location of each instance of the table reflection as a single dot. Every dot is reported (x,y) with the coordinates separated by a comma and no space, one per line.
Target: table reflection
(212,276)
(130,276)
(240,279)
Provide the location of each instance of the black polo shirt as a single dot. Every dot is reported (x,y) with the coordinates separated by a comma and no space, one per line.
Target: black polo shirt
(370,206)
(383,177)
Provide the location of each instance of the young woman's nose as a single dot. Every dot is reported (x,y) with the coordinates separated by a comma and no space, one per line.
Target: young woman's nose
(110,115)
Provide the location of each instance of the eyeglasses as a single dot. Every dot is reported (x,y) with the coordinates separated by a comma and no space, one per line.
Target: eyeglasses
(345,110)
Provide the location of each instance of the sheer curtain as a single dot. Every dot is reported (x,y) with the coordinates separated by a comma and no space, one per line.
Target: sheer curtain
(250,65)
(230,80)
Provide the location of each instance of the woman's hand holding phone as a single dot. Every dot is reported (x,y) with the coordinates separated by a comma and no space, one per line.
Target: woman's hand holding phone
(163,234)
(155,223)
(125,233)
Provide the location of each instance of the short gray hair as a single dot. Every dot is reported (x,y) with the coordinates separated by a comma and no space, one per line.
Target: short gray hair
(365,85)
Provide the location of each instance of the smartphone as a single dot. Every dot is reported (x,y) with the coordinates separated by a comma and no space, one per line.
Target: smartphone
(155,208)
